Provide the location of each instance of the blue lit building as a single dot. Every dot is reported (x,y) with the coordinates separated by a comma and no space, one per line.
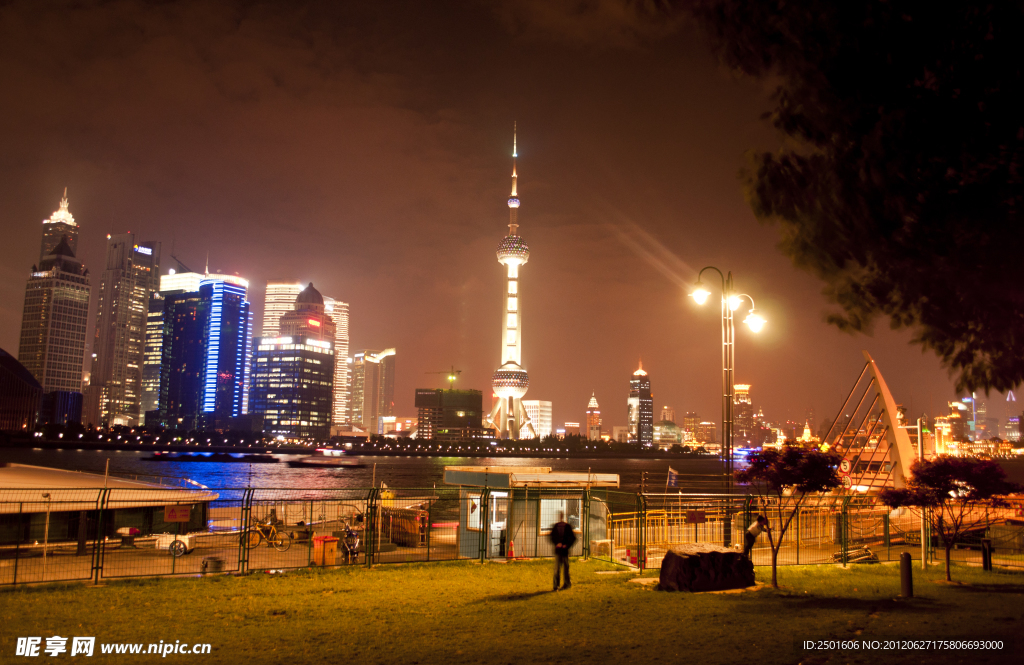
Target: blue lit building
(207,344)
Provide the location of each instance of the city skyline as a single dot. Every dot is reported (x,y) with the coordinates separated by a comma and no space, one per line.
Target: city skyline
(632,183)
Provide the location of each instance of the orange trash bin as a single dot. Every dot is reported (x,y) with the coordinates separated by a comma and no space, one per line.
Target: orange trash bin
(325,550)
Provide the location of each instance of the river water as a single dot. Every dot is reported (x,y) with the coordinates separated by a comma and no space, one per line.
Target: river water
(411,471)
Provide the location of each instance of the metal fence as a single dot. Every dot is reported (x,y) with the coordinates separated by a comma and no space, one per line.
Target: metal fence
(95,534)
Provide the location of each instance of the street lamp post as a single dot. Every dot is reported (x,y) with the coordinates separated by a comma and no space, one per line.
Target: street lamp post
(730,302)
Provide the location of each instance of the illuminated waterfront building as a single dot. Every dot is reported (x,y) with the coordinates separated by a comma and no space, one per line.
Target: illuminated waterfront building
(593,413)
(508,417)
(278,301)
(668,413)
(743,414)
(667,433)
(53,322)
(373,389)
(131,274)
(539,412)
(293,377)
(449,415)
(640,409)
(60,226)
(206,355)
(707,432)
(691,423)
(152,368)
(571,429)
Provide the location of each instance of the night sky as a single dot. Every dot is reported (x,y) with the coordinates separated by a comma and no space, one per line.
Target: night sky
(367,148)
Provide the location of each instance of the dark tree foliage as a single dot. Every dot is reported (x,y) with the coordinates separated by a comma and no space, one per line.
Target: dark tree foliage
(899,182)
(957,493)
(783,479)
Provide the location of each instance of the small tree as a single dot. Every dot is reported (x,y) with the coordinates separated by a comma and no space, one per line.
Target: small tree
(788,476)
(955,493)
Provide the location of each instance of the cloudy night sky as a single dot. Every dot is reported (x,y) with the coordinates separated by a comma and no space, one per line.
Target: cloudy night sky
(367,147)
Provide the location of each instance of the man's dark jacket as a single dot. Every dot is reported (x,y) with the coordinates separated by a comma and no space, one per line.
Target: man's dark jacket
(562,534)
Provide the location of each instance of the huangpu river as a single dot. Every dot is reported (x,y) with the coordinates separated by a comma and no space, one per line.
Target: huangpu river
(411,471)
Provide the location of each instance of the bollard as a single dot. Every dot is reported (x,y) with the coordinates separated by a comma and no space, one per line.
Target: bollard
(986,554)
(906,576)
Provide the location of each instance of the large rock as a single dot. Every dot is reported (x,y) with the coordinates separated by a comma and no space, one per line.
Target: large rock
(705,568)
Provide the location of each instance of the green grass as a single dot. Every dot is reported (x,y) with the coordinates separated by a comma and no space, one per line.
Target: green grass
(497,613)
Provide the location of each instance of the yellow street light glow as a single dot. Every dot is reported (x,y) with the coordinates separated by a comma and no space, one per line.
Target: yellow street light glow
(700,294)
(755,321)
(734,302)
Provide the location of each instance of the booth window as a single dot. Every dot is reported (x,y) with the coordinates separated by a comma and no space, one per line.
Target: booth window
(473,523)
(549,509)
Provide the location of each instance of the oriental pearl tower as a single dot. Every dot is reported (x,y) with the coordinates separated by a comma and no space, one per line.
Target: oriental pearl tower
(508,417)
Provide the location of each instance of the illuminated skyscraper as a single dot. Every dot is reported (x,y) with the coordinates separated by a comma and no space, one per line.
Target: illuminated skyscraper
(130,276)
(206,355)
(510,381)
(640,407)
(53,322)
(294,372)
(153,364)
(593,430)
(60,225)
(373,389)
(743,410)
(668,413)
(279,300)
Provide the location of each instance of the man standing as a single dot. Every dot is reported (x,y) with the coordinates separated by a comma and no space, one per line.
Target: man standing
(755,530)
(563,538)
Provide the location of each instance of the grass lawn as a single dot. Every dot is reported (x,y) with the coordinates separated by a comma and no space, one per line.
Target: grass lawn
(464,612)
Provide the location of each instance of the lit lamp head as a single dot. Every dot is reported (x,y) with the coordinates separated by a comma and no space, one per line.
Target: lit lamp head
(734,302)
(755,321)
(700,294)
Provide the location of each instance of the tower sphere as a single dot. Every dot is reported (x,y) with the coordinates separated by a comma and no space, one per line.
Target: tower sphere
(513,202)
(510,380)
(513,249)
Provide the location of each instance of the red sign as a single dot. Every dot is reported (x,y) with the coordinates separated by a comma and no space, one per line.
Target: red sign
(314,322)
(696,517)
(177,513)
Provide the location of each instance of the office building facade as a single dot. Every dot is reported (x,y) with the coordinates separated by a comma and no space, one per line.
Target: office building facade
(130,275)
(206,355)
(54,319)
(449,415)
(373,389)
(540,413)
(278,301)
(293,380)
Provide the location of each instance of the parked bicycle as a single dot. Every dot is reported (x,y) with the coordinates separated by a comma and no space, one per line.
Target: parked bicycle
(266,531)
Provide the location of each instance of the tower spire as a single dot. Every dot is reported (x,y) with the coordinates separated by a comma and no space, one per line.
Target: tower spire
(513,201)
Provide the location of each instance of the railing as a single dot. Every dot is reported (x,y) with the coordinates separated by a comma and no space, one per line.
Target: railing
(94,534)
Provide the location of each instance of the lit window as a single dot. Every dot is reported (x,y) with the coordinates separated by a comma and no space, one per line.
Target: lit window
(513,304)
(511,320)
(513,287)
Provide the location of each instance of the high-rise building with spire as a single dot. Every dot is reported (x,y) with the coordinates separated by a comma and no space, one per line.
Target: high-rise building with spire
(508,416)
(53,323)
(60,225)
(640,406)
(593,430)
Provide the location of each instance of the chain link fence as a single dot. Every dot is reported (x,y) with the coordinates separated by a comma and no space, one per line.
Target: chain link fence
(83,534)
